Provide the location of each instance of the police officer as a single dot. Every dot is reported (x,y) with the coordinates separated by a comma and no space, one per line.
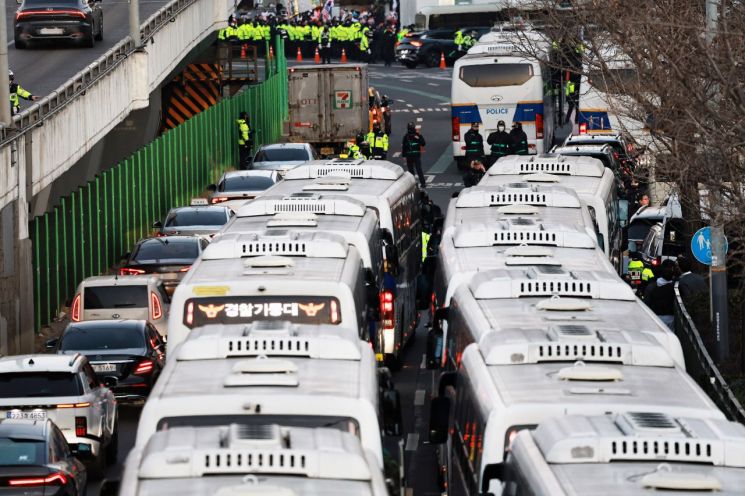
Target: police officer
(638,275)
(245,135)
(572,98)
(231,32)
(474,144)
(324,45)
(378,141)
(412,148)
(364,145)
(501,143)
(519,139)
(16,93)
(351,150)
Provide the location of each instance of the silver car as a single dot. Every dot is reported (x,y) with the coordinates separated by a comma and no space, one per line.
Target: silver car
(236,187)
(283,156)
(63,389)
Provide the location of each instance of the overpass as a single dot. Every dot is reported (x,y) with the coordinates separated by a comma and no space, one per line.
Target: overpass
(49,137)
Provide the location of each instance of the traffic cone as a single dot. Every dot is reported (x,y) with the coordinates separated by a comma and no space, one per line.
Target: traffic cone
(343,56)
(317,57)
(442,60)
(299,55)
(244,48)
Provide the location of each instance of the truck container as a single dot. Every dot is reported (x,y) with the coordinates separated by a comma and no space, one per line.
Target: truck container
(328,105)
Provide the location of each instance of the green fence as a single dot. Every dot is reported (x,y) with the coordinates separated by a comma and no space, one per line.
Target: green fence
(90,229)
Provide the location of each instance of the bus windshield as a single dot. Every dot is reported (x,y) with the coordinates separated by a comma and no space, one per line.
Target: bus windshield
(491,75)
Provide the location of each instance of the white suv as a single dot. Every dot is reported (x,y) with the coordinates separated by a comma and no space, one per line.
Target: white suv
(63,389)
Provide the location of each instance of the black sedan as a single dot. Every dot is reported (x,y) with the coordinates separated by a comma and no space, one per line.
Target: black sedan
(35,460)
(126,354)
(169,256)
(425,47)
(74,20)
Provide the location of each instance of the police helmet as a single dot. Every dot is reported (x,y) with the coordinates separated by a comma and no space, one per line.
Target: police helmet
(11,76)
(376,127)
(500,123)
(411,126)
(244,115)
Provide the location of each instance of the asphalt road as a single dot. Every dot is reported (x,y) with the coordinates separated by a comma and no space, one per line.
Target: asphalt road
(43,68)
(420,96)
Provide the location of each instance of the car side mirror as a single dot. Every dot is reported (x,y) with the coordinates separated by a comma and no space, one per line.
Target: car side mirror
(110,381)
(109,487)
(51,344)
(439,418)
(157,224)
(212,188)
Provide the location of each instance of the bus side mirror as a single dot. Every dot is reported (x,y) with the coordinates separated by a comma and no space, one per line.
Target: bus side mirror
(623,212)
(439,418)
(434,348)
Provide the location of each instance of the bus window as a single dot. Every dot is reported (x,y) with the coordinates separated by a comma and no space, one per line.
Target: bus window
(490,75)
(601,238)
(615,81)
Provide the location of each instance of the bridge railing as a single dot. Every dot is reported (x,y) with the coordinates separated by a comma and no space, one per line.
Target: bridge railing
(700,364)
(89,231)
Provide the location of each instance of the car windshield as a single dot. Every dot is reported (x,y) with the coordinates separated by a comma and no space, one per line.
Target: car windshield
(245,183)
(281,155)
(160,250)
(96,297)
(201,217)
(39,385)
(21,452)
(102,338)
(640,227)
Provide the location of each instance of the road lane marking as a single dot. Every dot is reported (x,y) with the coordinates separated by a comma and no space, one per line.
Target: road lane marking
(428,178)
(416,111)
(433,84)
(442,163)
(409,105)
(397,154)
(423,365)
(419,397)
(419,119)
(412,441)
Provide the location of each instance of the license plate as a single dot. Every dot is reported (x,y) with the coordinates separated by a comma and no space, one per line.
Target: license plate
(26,415)
(51,31)
(104,367)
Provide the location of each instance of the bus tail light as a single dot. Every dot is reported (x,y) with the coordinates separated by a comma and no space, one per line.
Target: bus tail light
(456,128)
(539,126)
(387,309)
(75,313)
(156,311)
(583,128)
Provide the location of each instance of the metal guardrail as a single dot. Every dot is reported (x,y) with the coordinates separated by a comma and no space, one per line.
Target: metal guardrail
(80,82)
(700,365)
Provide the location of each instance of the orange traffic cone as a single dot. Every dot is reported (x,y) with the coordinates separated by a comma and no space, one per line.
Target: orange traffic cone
(271,52)
(299,55)
(244,48)
(343,56)
(317,57)
(442,61)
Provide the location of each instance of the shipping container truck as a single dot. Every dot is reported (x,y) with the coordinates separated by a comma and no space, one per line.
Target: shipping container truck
(328,105)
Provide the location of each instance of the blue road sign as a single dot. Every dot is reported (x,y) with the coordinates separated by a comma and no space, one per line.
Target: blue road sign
(701,245)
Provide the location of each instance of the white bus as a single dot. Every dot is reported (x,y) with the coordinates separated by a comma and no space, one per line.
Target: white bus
(595,184)
(393,195)
(493,83)
(505,387)
(635,453)
(306,278)
(273,372)
(261,459)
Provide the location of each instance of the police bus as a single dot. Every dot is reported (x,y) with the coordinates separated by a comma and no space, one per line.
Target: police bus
(634,452)
(306,278)
(595,184)
(495,82)
(393,195)
(275,372)
(514,381)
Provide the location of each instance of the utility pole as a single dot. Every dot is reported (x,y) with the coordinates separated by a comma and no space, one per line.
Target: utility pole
(134,22)
(718,268)
(6,120)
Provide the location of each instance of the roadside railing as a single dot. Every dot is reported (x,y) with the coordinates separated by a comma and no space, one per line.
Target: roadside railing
(80,82)
(700,365)
(89,231)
